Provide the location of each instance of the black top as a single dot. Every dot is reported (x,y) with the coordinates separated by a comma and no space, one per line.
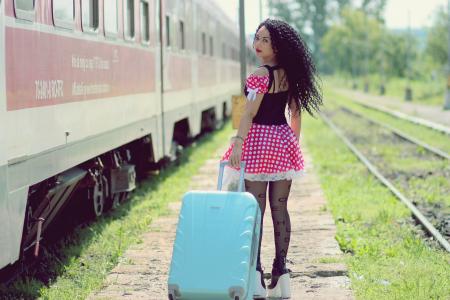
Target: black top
(273,105)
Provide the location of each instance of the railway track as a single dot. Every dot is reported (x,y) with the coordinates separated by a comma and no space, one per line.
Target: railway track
(421,215)
(426,123)
(400,134)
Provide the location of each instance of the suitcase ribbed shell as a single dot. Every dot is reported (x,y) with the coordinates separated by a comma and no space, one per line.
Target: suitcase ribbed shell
(214,253)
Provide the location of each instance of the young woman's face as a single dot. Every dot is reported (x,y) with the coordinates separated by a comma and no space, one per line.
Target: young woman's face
(263,44)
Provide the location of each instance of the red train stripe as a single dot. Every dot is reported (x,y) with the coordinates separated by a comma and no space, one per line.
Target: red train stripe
(45,69)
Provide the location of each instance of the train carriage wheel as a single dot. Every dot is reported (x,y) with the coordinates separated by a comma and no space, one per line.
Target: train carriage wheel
(97,195)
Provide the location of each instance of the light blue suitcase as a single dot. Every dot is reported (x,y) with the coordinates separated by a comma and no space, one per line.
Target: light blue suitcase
(214,253)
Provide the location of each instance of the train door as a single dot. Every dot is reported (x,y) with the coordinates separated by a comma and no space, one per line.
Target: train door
(161,35)
(4,231)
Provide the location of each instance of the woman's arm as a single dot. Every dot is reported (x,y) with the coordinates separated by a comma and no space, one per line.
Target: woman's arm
(251,109)
(296,119)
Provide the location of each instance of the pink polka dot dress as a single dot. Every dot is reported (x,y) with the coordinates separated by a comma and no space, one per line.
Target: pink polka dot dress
(270,150)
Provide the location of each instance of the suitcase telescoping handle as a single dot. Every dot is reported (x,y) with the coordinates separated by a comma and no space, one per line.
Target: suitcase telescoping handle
(241,175)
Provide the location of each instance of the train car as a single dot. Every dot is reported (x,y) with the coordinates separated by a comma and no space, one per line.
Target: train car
(95,92)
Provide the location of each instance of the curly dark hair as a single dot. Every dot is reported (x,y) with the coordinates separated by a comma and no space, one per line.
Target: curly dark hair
(295,58)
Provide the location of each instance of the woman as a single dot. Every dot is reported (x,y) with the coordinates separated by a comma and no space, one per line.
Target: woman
(265,141)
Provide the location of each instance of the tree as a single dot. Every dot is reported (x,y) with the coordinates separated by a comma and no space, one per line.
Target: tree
(349,46)
(374,8)
(359,45)
(437,42)
(308,17)
(284,9)
(343,4)
(400,52)
(312,18)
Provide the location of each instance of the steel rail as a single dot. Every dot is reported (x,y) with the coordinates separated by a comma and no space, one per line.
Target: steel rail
(420,217)
(433,125)
(399,133)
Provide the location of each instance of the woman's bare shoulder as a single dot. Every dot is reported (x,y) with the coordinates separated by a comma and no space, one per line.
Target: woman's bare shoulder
(260,71)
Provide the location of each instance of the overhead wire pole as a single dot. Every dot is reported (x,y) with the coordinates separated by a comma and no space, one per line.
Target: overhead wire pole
(353,58)
(408,89)
(243,50)
(447,94)
(383,66)
(260,11)
(366,54)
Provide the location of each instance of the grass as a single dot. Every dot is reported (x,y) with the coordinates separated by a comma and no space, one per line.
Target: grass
(91,252)
(429,136)
(387,258)
(431,92)
(415,172)
(330,260)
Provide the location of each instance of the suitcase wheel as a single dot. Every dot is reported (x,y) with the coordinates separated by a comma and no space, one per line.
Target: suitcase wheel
(174,292)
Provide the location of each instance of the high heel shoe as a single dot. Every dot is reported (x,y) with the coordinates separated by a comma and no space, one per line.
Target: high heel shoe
(260,286)
(280,287)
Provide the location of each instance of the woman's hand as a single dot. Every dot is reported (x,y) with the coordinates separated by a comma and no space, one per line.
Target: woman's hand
(235,157)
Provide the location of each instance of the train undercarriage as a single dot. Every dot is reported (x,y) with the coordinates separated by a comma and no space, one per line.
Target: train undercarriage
(100,184)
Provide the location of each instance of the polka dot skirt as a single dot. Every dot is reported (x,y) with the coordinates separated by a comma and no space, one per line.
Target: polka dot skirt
(271,152)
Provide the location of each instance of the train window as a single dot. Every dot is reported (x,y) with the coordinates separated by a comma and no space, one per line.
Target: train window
(211,46)
(24,9)
(89,15)
(203,43)
(25,4)
(155,16)
(145,22)
(129,19)
(63,13)
(110,17)
(182,44)
(167,31)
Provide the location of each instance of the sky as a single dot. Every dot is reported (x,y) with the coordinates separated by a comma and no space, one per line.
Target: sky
(396,12)
(421,12)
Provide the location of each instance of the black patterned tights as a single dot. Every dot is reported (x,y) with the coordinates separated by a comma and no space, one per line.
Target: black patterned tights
(278,196)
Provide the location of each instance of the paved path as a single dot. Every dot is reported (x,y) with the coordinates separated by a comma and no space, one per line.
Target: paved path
(143,271)
(431,113)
